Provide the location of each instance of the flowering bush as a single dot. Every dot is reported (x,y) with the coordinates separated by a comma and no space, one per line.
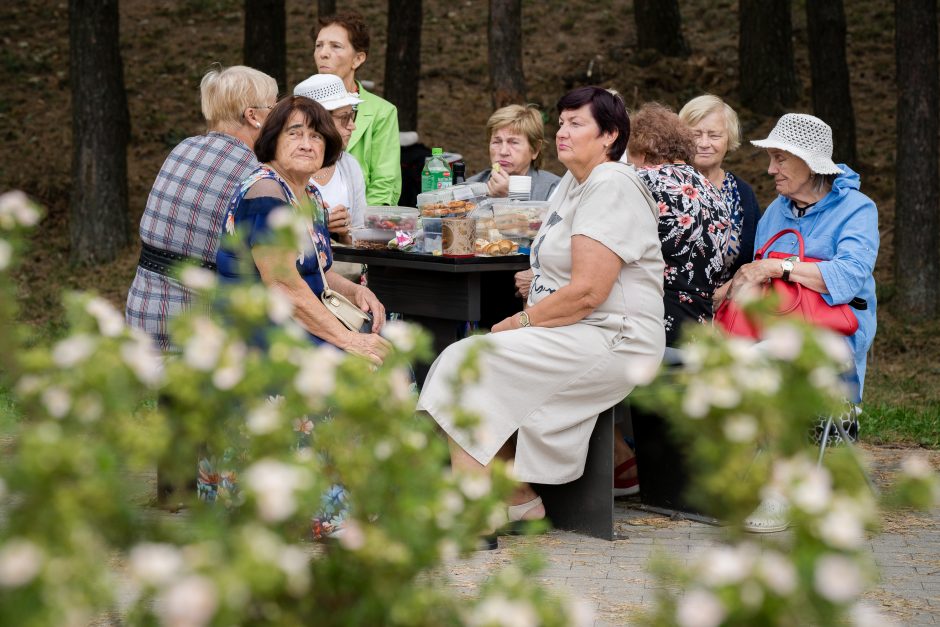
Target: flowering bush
(74,536)
(744,412)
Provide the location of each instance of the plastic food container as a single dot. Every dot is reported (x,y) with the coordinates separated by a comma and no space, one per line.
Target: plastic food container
(391,218)
(519,219)
(433,229)
(453,202)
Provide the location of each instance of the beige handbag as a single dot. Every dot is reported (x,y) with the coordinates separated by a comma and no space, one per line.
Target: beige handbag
(345,311)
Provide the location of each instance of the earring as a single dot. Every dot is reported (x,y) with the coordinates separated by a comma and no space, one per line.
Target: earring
(257,124)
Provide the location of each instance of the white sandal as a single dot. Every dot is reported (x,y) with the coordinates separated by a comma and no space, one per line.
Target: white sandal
(771,516)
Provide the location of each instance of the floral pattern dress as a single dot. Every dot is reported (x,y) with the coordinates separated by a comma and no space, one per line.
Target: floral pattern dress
(217,479)
(694,230)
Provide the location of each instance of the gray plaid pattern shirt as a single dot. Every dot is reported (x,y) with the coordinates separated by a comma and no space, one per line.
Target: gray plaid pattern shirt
(184,215)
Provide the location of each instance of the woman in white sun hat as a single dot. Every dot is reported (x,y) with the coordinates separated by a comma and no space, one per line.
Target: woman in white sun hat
(838,223)
(342,184)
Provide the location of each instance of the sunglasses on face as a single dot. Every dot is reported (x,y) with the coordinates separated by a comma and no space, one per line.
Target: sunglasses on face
(345,118)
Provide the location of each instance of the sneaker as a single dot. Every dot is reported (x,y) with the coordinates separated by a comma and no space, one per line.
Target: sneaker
(771,516)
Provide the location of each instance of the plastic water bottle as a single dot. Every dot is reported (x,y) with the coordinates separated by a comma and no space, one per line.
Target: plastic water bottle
(436,173)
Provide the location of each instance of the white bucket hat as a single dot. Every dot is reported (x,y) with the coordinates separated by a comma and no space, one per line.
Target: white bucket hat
(805,136)
(328,90)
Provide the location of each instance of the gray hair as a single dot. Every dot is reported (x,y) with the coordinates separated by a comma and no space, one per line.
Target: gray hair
(822,182)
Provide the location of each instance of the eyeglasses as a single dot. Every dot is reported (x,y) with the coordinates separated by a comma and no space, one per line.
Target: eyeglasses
(345,118)
(260,106)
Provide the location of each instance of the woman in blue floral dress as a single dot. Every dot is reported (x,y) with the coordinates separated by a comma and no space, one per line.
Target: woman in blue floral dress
(297,139)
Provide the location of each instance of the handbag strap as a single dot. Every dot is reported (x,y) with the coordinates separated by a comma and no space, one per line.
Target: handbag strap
(763,249)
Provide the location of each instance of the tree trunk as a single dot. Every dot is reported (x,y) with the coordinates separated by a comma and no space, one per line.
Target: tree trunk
(403,60)
(265,45)
(917,188)
(765,52)
(659,26)
(832,97)
(98,225)
(505,48)
(326,7)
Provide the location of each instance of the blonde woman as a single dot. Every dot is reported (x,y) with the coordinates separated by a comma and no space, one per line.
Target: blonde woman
(717,132)
(517,137)
(184,215)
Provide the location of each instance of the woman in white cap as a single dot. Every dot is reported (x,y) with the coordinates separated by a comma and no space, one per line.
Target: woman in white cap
(838,223)
(341,184)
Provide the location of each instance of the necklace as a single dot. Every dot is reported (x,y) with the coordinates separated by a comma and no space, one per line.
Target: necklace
(324,173)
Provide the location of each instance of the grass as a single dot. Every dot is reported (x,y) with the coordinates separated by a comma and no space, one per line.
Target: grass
(883,424)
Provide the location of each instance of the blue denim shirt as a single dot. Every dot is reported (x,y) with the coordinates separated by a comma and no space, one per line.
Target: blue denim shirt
(843,229)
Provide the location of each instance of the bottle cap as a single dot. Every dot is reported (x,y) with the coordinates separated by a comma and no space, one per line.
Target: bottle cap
(437,151)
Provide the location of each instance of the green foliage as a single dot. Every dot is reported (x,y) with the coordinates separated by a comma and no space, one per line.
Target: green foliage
(744,412)
(91,428)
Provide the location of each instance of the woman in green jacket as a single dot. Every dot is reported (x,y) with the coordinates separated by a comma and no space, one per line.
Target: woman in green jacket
(342,45)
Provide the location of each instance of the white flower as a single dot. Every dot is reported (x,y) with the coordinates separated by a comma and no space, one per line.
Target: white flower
(415,439)
(740,428)
(580,613)
(835,346)
(475,485)
(814,492)
(295,563)
(726,565)
(20,562)
(864,615)
(73,350)
(700,608)
(6,254)
(401,334)
(383,450)
(448,550)
(837,578)
(154,563)
(743,351)
(783,341)
(274,484)
(232,368)
(765,380)
(263,419)
(88,407)
(28,385)
(197,278)
(696,401)
(205,345)
(110,322)
(842,527)
(57,400)
(641,371)
(280,306)
(917,467)
(402,384)
(15,208)
(142,358)
(352,537)
(777,572)
(316,376)
(191,602)
(280,218)
(752,595)
(498,610)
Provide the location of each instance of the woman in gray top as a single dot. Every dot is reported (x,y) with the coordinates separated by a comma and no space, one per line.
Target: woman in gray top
(517,136)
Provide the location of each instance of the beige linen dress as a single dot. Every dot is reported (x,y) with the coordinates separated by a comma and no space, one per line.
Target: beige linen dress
(549,384)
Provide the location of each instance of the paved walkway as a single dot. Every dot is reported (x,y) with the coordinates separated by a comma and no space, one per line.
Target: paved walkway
(613,578)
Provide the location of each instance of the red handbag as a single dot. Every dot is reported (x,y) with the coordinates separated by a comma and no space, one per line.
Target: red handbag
(794,300)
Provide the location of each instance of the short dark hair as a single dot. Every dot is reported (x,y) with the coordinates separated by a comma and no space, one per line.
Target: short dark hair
(355,26)
(660,136)
(608,111)
(315,117)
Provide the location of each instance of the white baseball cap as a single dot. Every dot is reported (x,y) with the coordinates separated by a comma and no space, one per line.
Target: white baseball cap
(328,90)
(805,136)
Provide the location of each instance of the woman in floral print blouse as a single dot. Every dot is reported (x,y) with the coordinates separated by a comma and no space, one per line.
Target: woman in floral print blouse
(694,222)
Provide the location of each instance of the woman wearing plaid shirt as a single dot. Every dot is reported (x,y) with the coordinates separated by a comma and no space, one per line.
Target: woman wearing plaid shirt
(184,216)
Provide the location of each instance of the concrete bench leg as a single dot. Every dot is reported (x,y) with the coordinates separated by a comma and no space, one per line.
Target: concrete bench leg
(586,505)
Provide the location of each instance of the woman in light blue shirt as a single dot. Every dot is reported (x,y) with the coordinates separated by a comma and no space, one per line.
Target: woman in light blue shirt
(838,223)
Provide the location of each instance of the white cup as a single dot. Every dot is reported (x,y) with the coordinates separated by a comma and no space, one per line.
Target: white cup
(520,187)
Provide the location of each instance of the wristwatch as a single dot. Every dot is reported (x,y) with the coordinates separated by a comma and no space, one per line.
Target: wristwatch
(787,265)
(524,319)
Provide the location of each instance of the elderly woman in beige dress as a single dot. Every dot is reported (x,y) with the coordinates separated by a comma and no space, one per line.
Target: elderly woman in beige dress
(593,325)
